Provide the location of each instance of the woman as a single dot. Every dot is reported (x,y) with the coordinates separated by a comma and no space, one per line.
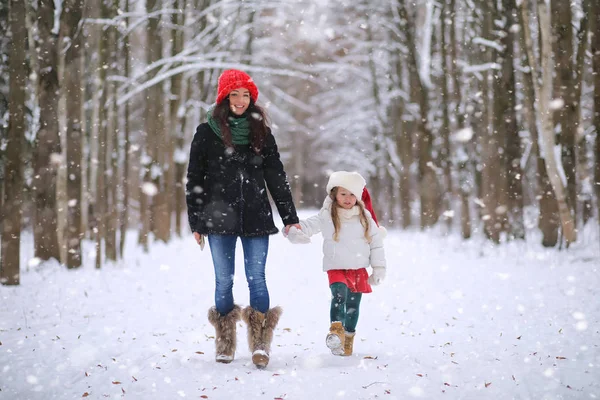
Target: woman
(232,156)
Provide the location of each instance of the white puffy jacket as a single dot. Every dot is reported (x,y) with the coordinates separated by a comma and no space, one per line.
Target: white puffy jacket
(351,251)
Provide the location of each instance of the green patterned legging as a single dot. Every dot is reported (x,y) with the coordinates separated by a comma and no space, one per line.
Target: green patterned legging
(345,306)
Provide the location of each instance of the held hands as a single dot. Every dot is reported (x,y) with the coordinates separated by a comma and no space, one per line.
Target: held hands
(295,235)
(377,276)
(288,227)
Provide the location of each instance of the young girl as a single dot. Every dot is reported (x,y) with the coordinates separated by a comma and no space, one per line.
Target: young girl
(351,242)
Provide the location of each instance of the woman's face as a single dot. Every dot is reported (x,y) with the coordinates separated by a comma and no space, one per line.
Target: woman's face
(239,100)
(344,198)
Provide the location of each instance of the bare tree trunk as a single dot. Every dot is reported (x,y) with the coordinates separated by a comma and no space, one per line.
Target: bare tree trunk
(596,55)
(73,77)
(564,89)
(581,143)
(428,182)
(4,95)
(250,38)
(47,144)
(101,195)
(91,134)
(446,152)
(13,182)
(380,189)
(548,220)
(176,133)
(404,146)
(465,174)
(514,150)
(490,140)
(566,217)
(155,211)
(112,143)
(404,150)
(161,145)
(125,186)
(403,134)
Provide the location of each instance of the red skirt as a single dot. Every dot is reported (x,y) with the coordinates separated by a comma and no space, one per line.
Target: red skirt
(357,280)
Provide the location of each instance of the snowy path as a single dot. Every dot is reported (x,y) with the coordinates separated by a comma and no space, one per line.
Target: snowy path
(452,321)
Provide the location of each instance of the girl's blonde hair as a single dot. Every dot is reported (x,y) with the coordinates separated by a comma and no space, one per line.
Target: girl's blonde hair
(335,217)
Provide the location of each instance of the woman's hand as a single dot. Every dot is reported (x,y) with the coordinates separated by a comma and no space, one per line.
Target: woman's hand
(287,228)
(198,237)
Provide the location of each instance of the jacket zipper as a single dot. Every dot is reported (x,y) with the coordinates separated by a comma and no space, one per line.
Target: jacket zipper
(241,202)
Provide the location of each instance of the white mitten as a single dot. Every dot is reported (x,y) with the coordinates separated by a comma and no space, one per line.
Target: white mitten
(296,236)
(377,276)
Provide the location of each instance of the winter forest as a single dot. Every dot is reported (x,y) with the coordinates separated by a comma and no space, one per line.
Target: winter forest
(474,122)
(472,116)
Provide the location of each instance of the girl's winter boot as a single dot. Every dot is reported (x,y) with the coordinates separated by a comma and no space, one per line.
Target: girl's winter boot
(260,333)
(335,338)
(225,337)
(349,343)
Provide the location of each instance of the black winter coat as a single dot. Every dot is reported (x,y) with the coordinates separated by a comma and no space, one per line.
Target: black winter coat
(226,191)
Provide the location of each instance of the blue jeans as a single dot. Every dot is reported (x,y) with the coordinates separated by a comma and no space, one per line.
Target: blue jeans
(222,248)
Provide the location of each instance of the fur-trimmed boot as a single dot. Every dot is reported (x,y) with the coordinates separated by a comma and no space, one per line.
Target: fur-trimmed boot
(225,328)
(349,343)
(335,339)
(260,333)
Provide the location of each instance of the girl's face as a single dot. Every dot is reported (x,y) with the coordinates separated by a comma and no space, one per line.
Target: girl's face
(239,100)
(344,198)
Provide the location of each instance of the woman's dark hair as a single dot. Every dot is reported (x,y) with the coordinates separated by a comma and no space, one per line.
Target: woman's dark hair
(256,116)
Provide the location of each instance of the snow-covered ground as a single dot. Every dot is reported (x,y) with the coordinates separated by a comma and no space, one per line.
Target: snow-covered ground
(453,320)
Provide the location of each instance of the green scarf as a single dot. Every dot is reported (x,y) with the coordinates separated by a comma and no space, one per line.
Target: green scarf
(239,127)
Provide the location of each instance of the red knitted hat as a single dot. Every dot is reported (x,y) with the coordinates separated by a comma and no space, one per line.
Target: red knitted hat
(234,79)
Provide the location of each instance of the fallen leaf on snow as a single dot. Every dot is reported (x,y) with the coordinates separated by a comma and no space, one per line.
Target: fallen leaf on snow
(421,375)
(369,358)
(199,352)
(488,384)
(86,394)
(116,383)
(204,396)
(134,378)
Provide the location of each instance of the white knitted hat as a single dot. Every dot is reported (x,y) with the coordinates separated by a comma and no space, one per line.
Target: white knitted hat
(352,181)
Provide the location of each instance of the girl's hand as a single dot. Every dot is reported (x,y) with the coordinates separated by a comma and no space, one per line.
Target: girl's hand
(287,228)
(377,276)
(296,236)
